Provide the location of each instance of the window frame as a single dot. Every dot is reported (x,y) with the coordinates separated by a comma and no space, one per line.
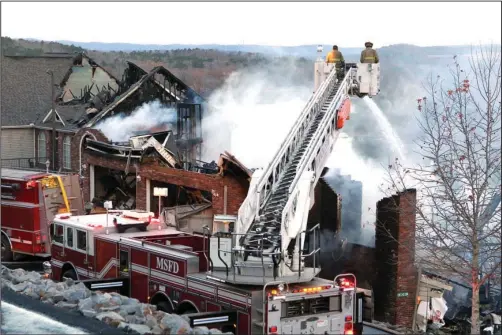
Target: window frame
(67,152)
(67,245)
(41,143)
(128,262)
(53,240)
(77,239)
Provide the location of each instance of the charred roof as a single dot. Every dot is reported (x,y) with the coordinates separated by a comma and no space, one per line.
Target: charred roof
(85,92)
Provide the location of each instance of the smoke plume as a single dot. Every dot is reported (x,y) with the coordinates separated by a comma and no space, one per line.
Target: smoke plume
(151,116)
(257,107)
(369,144)
(253,112)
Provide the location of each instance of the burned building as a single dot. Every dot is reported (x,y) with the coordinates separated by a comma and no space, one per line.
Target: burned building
(127,173)
(138,87)
(84,94)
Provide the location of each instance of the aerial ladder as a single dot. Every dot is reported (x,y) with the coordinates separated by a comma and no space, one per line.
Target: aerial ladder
(269,234)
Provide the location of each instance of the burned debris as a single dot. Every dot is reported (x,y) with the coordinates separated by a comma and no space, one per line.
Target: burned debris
(160,145)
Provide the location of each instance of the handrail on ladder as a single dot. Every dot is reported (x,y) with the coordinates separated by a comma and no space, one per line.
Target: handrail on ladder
(309,152)
(284,145)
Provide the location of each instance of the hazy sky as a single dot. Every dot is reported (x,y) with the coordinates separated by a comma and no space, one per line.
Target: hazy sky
(280,23)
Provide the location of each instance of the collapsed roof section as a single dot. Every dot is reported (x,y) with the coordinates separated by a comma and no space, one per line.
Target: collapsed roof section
(164,146)
(161,144)
(228,163)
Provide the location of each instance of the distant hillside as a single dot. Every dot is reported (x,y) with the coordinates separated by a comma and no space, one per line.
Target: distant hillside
(202,69)
(30,47)
(307,51)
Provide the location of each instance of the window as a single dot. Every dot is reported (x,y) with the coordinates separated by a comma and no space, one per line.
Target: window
(42,152)
(82,240)
(69,237)
(67,153)
(124,262)
(57,233)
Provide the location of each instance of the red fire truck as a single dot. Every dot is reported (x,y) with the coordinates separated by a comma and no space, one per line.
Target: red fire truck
(30,200)
(133,253)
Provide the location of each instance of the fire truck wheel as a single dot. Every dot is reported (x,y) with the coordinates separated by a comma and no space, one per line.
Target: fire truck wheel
(69,274)
(7,255)
(165,306)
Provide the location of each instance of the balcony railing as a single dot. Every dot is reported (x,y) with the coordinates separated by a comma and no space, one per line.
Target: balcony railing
(29,164)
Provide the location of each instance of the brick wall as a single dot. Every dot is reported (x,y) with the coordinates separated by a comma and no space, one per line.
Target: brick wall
(75,146)
(236,190)
(406,271)
(394,254)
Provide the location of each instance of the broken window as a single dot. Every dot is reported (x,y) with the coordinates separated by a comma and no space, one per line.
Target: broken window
(42,153)
(57,233)
(82,240)
(67,152)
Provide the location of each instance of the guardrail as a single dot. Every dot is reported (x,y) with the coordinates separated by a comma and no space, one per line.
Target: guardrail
(276,256)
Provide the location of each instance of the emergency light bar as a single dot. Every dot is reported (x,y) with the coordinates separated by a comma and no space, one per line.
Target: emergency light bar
(345,281)
(308,290)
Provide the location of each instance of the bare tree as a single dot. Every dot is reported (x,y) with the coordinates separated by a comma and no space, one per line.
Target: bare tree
(458,228)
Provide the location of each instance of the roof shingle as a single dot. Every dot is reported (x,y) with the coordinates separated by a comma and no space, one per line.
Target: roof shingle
(26,86)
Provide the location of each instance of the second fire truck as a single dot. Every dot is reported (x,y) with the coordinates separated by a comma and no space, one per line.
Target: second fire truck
(257,275)
(30,199)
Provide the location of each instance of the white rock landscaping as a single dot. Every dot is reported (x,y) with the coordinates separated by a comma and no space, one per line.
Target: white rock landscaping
(112,308)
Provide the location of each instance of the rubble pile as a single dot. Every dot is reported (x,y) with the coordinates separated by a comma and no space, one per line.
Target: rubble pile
(112,308)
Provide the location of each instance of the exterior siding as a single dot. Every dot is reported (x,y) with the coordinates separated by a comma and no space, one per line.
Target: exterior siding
(18,143)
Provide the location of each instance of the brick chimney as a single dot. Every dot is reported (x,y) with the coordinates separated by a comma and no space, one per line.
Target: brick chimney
(396,276)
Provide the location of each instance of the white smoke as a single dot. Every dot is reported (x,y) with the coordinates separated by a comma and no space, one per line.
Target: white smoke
(150,115)
(370,174)
(255,110)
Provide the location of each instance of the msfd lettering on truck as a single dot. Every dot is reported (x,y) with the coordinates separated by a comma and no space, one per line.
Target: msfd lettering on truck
(167,265)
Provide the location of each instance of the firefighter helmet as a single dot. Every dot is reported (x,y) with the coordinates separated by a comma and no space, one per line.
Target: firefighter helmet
(368,45)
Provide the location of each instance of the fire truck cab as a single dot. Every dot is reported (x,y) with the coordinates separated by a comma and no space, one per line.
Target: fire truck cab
(137,255)
(30,199)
